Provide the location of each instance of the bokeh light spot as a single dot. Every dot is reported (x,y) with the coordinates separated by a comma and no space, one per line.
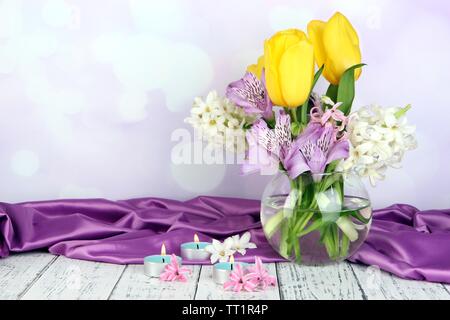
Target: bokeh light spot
(25,163)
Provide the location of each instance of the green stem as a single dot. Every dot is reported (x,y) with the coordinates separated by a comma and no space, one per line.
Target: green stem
(336,240)
(296,242)
(284,241)
(358,216)
(330,238)
(327,240)
(345,244)
(304,117)
(303,222)
(312,227)
(294,115)
(273,224)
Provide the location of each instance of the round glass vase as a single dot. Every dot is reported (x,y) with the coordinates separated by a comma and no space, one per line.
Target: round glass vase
(316,218)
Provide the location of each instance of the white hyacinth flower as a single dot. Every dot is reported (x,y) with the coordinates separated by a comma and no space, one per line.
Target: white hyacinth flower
(219,121)
(220,251)
(241,244)
(379,139)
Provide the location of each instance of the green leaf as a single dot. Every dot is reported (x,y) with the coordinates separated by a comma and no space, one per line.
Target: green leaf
(332,166)
(273,224)
(400,113)
(360,217)
(332,92)
(271,123)
(295,129)
(346,89)
(317,76)
(312,227)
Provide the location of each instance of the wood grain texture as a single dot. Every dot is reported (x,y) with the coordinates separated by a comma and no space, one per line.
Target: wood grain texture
(380,285)
(134,284)
(45,276)
(18,272)
(335,282)
(207,289)
(76,279)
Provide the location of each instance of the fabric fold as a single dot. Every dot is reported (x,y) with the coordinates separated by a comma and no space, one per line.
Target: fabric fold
(403,240)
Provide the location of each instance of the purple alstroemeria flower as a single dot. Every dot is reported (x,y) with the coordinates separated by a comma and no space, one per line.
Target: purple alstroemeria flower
(250,94)
(314,149)
(267,147)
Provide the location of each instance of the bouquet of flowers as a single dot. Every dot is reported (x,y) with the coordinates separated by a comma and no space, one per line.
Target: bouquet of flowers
(316,209)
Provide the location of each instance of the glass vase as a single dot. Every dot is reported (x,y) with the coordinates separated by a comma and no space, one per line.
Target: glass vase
(316,218)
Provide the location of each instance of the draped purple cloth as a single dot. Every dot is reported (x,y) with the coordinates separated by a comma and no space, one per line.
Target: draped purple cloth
(410,243)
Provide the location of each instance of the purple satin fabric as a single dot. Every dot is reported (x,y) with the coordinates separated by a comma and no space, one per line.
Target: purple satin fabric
(410,243)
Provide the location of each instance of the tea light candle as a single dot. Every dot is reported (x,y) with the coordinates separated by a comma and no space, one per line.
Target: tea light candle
(222,270)
(195,250)
(155,264)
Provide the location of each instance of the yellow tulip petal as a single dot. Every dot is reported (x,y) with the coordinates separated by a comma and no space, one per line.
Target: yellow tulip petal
(275,49)
(348,26)
(271,76)
(315,33)
(330,74)
(256,69)
(253,68)
(296,73)
(282,40)
(294,35)
(341,46)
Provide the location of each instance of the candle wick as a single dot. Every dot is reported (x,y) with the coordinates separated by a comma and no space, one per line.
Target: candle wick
(197,246)
(232,266)
(164,261)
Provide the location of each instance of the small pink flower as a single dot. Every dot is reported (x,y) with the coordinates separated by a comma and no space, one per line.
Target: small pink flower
(317,115)
(240,281)
(173,271)
(259,274)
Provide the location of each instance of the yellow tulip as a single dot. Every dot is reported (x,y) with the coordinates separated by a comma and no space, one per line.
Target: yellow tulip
(336,45)
(289,67)
(257,68)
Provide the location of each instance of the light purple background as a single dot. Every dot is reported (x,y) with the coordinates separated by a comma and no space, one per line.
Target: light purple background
(90,91)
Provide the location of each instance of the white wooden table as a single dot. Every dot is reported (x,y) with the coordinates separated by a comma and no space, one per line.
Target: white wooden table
(39,275)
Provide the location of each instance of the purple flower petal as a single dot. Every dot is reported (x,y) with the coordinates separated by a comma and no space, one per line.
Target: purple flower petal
(268,113)
(234,92)
(312,132)
(258,158)
(250,94)
(316,148)
(295,164)
(318,161)
(340,150)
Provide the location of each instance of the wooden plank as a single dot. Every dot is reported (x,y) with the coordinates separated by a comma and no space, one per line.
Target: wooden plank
(134,284)
(380,285)
(207,289)
(334,282)
(446,288)
(76,279)
(19,271)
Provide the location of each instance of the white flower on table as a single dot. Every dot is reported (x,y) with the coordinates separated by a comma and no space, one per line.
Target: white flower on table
(220,251)
(240,244)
